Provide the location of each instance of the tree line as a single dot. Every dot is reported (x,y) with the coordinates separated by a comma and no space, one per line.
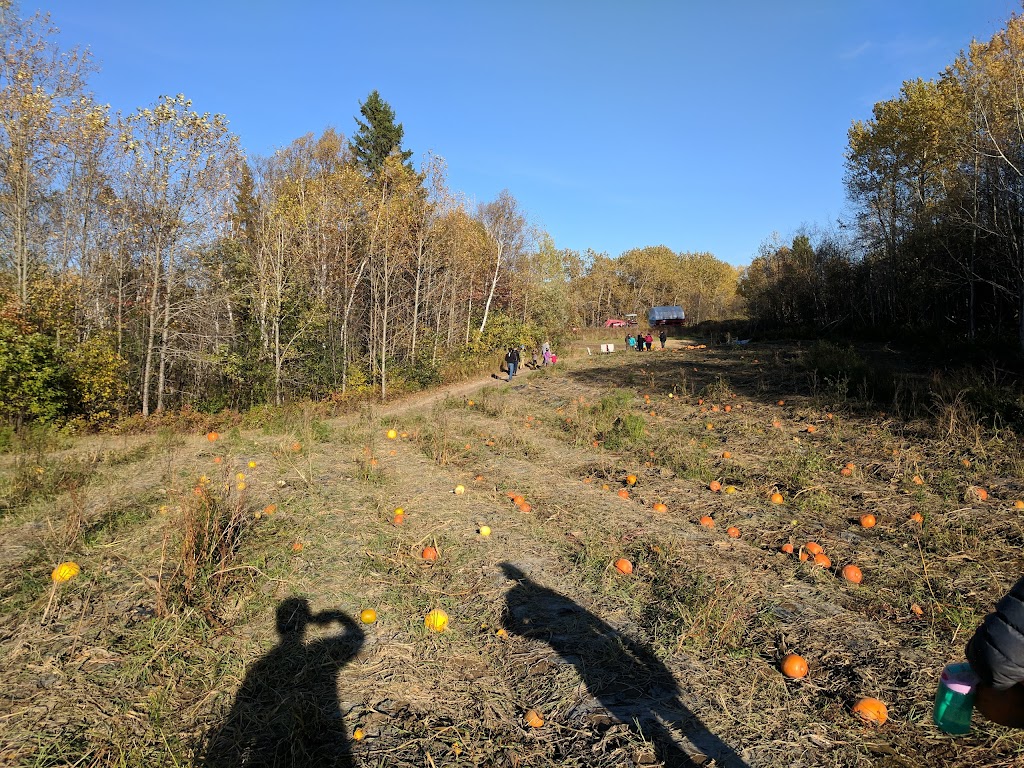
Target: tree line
(936,242)
(147,264)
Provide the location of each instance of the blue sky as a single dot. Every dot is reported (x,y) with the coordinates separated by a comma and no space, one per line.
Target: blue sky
(703,125)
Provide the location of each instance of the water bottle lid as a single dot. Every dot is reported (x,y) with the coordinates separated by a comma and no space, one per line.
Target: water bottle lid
(959,678)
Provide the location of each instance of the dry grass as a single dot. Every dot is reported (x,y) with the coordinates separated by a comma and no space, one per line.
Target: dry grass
(161,648)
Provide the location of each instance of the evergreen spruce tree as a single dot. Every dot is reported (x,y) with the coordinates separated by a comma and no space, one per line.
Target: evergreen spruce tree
(378,135)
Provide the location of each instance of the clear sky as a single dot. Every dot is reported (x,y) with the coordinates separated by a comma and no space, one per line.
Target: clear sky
(703,125)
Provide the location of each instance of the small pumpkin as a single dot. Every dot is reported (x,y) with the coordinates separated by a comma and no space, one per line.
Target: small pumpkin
(459,490)
(726,455)
(368,616)
(533,719)
(813,547)
(852,574)
(630,479)
(213,436)
(821,559)
(732,532)
(916,518)
(787,548)
(436,620)
(867,520)
(392,434)
(525,507)
(707,521)
(429,554)
(623,493)
(871,710)
(715,486)
(622,565)
(794,665)
(660,507)
(65,572)
(776,498)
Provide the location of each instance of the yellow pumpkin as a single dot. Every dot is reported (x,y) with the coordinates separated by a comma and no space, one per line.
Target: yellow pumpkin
(65,571)
(436,620)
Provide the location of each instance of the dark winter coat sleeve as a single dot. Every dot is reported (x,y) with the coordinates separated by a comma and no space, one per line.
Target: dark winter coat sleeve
(996,652)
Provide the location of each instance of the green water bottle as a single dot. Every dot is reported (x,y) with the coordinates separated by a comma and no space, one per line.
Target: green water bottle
(954,701)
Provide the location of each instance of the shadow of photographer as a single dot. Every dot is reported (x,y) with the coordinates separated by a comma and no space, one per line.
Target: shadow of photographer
(287,713)
(627,679)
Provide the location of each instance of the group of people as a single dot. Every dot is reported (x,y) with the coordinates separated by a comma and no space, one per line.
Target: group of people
(640,342)
(514,358)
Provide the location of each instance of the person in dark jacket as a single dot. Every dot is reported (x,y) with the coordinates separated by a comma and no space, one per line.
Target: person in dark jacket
(512,361)
(996,654)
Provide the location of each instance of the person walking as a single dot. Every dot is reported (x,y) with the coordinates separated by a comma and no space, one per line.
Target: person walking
(546,351)
(662,337)
(512,361)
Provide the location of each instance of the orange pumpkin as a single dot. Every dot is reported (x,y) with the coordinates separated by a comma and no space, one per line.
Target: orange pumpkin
(916,518)
(852,574)
(707,522)
(630,479)
(845,471)
(715,486)
(822,559)
(429,554)
(917,480)
(813,547)
(622,565)
(733,532)
(794,665)
(777,498)
(659,507)
(871,710)
(867,520)
(787,548)
(979,493)
(533,719)
(726,455)
(623,493)
(524,507)
(811,429)
(212,436)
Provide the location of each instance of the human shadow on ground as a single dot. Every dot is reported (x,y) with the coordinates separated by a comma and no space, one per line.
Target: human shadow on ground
(623,675)
(287,714)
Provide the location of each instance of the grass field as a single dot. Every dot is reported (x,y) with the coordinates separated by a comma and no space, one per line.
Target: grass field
(216,618)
